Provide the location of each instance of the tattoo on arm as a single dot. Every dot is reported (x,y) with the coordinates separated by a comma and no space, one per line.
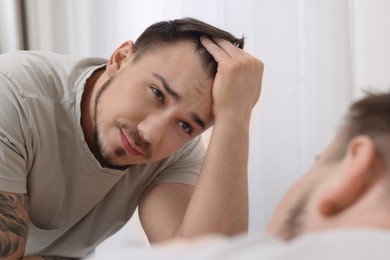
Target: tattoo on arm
(13,222)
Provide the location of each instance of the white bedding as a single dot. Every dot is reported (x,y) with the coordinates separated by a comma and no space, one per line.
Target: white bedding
(331,245)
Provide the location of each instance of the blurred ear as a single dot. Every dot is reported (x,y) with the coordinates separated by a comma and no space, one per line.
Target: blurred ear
(120,56)
(358,174)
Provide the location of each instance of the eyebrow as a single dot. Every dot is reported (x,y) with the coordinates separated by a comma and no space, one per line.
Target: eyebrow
(167,87)
(198,120)
(177,97)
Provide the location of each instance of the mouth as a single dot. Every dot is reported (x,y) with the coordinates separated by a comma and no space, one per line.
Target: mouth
(130,146)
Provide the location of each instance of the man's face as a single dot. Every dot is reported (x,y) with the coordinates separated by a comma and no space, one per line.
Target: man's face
(152,107)
(298,210)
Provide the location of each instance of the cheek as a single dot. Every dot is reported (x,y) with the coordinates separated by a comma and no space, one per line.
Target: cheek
(116,105)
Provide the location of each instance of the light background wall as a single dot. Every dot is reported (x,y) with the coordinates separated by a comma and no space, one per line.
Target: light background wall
(304,44)
(370,44)
(318,57)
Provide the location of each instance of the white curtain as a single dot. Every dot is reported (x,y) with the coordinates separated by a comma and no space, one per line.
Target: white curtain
(11,34)
(370,45)
(305,45)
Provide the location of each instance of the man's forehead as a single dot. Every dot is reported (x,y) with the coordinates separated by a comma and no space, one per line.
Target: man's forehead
(190,47)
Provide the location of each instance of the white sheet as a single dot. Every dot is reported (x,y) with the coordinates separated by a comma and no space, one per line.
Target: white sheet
(331,245)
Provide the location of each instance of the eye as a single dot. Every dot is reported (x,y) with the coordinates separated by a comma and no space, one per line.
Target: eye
(187,128)
(158,94)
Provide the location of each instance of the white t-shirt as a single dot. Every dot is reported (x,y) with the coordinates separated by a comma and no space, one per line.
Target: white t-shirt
(74,203)
(329,245)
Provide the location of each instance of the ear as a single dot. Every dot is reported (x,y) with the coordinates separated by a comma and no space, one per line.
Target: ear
(358,174)
(121,56)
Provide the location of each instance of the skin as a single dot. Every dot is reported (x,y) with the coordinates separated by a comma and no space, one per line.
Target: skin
(129,117)
(176,210)
(135,104)
(13,224)
(348,193)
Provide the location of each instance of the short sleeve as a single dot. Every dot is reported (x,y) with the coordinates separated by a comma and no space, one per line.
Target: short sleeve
(185,165)
(13,133)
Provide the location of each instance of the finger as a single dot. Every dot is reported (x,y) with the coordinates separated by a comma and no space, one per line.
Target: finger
(216,51)
(228,47)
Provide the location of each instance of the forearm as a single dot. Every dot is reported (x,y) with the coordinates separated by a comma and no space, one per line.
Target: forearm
(219,203)
(35,257)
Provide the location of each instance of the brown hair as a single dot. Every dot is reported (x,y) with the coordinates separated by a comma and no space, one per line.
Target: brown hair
(190,29)
(369,116)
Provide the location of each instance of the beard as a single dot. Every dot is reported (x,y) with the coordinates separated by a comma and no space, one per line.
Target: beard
(295,222)
(106,159)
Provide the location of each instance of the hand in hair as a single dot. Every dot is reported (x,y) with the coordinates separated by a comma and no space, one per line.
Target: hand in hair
(237,84)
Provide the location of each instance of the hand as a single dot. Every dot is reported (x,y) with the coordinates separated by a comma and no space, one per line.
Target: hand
(237,84)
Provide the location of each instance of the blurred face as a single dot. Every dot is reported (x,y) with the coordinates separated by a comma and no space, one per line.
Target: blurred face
(152,107)
(297,212)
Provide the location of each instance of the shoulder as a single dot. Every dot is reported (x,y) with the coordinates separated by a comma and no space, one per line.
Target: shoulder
(32,59)
(12,62)
(44,74)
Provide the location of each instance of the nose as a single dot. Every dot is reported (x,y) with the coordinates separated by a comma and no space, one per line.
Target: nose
(152,128)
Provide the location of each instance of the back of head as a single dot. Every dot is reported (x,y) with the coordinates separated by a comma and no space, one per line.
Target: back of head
(189,29)
(369,116)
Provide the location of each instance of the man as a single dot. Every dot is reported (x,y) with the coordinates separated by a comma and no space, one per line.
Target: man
(86,141)
(339,210)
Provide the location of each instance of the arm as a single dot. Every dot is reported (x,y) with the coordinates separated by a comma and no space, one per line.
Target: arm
(47,258)
(219,201)
(14,228)
(13,225)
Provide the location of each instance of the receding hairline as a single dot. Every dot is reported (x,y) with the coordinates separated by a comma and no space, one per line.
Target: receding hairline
(187,28)
(198,50)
